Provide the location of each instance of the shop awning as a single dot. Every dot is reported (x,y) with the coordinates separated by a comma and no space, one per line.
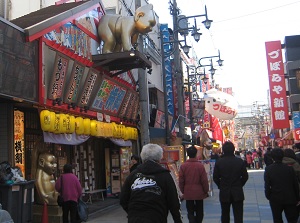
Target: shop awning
(67,139)
(121,142)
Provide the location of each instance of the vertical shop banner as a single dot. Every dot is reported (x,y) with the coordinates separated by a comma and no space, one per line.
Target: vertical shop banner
(58,78)
(279,106)
(19,149)
(168,68)
(72,88)
(89,84)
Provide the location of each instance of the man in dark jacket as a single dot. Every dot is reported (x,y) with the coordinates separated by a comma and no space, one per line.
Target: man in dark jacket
(230,175)
(267,157)
(281,188)
(149,192)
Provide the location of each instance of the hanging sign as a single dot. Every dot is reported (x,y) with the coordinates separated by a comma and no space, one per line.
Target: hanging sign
(58,78)
(279,106)
(109,97)
(220,104)
(72,88)
(89,84)
(19,149)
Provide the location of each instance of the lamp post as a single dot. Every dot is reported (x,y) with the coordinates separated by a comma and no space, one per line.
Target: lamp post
(212,70)
(180,25)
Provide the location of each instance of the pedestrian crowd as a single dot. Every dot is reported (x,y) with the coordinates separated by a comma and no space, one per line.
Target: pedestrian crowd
(150,191)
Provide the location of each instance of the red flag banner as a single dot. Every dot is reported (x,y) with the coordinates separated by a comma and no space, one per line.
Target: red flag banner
(279,107)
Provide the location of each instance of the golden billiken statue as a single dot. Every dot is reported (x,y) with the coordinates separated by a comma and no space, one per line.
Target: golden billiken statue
(45,183)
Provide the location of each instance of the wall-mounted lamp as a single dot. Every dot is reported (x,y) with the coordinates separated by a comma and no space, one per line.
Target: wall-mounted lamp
(132,52)
(84,109)
(72,105)
(149,71)
(57,101)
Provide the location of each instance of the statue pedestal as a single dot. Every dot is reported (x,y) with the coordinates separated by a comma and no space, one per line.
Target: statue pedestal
(54,213)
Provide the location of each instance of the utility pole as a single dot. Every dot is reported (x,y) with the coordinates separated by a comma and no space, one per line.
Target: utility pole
(143,94)
(178,72)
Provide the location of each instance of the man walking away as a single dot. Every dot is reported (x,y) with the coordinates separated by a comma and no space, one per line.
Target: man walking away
(281,188)
(149,193)
(230,174)
(193,184)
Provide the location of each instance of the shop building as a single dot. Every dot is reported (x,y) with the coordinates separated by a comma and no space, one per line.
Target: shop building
(58,93)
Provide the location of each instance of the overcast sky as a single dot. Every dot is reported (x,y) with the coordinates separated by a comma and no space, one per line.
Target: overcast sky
(239,30)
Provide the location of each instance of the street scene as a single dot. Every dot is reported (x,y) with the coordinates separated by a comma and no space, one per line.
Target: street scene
(256,206)
(107,106)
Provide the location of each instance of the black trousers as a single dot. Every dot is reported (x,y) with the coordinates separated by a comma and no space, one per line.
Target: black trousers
(290,211)
(70,207)
(195,207)
(237,208)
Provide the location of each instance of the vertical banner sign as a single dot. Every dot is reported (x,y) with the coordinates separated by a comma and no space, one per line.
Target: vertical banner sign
(279,107)
(58,78)
(89,84)
(19,150)
(73,86)
(168,69)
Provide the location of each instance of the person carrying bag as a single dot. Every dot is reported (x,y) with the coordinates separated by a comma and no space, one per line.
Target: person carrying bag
(71,191)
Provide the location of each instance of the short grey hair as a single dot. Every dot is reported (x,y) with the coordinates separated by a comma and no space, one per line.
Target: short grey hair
(151,152)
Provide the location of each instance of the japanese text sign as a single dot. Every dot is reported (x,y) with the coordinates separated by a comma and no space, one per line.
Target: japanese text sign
(279,108)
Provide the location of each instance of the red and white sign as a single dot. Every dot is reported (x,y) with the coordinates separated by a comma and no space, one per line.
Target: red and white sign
(297,134)
(220,104)
(279,107)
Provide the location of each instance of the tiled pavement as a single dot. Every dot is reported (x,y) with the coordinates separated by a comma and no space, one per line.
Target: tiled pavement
(256,207)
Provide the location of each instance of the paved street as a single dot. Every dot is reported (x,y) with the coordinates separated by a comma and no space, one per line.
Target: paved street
(256,207)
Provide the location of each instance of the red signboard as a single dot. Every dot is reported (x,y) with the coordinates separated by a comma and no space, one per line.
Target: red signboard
(297,134)
(279,107)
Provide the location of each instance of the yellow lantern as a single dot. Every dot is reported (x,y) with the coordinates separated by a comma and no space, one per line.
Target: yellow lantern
(122,131)
(57,124)
(100,130)
(63,123)
(126,133)
(94,127)
(87,126)
(70,124)
(47,120)
(108,129)
(79,128)
(135,134)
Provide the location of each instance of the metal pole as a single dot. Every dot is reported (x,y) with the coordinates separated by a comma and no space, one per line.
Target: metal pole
(144,100)
(178,72)
(144,94)
(165,90)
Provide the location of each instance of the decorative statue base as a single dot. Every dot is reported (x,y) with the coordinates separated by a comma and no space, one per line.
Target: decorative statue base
(54,213)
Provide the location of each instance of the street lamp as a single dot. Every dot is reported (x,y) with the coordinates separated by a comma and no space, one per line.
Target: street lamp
(180,25)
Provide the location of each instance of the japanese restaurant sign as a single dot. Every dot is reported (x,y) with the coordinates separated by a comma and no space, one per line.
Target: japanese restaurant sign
(89,84)
(73,85)
(109,97)
(279,107)
(58,78)
(19,149)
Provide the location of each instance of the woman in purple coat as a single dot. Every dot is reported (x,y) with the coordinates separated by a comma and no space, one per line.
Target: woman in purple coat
(70,189)
(193,184)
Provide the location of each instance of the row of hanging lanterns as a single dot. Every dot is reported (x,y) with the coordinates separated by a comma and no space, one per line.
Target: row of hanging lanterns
(65,123)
